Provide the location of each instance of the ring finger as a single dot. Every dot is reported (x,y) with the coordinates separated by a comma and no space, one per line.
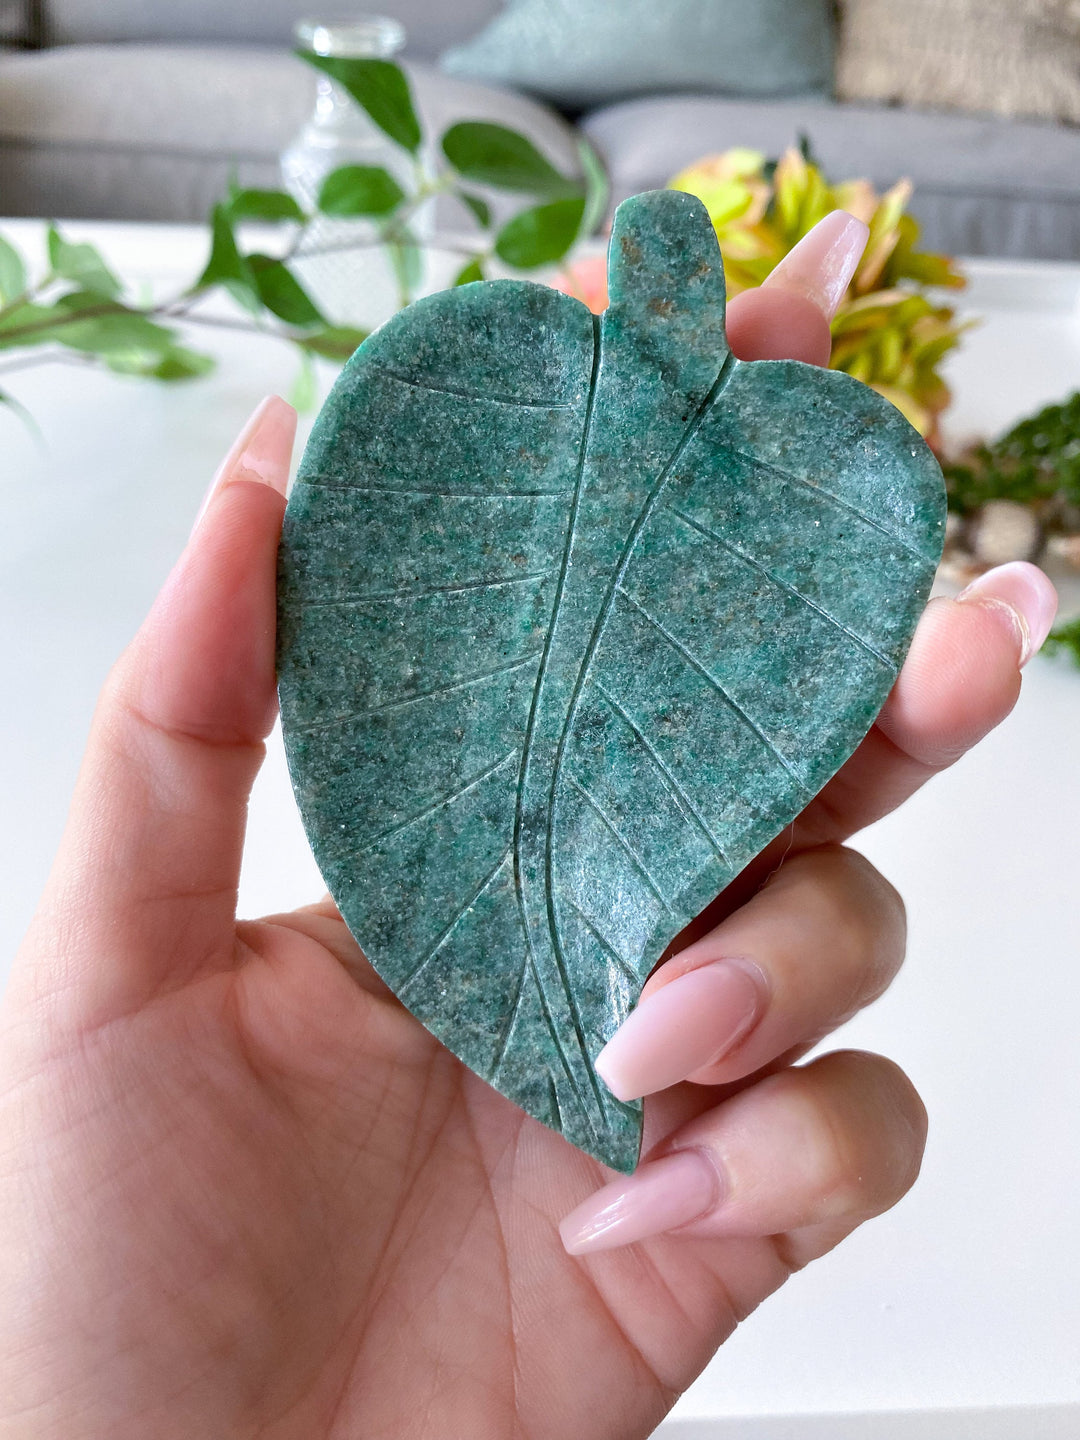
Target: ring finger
(821,939)
(803,1156)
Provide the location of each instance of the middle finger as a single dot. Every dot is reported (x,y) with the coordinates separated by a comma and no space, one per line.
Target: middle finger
(821,939)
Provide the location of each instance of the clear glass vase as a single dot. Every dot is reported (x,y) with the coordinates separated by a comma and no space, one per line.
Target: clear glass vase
(344,264)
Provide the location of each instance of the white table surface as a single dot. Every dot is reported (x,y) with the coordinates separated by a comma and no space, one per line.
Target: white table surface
(967,1294)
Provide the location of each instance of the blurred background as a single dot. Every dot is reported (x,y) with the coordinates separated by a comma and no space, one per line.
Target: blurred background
(140,109)
(202,202)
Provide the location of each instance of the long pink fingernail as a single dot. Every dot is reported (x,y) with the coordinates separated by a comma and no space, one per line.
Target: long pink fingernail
(1024,596)
(660,1195)
(261,452)
(690,1022)
(822,263)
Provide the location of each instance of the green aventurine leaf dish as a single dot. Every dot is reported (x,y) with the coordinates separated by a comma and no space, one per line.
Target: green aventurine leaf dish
(576,614)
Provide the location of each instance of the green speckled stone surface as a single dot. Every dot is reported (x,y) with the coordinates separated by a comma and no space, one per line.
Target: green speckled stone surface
(575,615)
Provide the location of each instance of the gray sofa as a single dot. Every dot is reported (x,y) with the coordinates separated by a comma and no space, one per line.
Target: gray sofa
(140,109)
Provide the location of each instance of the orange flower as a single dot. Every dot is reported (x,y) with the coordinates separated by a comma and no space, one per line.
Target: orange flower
(585,280)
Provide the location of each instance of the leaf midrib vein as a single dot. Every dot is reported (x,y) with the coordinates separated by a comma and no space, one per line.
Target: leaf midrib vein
(723,378)
(571,531)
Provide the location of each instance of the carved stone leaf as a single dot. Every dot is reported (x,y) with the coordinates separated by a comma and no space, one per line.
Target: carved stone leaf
(575,616)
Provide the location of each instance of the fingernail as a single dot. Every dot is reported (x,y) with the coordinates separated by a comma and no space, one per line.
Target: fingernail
(261,452)
(1024,596)
(660,1195)
(822,263)
(689,1023)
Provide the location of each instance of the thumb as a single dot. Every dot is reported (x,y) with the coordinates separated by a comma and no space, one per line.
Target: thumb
(142,894)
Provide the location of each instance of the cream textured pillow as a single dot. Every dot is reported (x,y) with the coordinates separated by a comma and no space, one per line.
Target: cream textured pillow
(1011,57)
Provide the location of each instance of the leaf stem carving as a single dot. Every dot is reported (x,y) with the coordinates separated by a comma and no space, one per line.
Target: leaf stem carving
(571,532)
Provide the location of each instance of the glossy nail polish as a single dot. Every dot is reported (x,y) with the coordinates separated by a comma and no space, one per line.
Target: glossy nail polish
(256,452)
(686,1024)
(661,1195)
(821,265)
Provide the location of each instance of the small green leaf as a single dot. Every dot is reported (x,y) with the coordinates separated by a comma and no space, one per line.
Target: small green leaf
(104,329)
(336,342)
(281,292)
(84,321)
(264,205)
(81,264)
(27,324)
(1065,637)
(468,273)
(360,190)
(407,261)
(12,273)
(540,235)
(379,87)
(19,409)
(493,155)
(480,208)
(304,392)
(182,364)
(226,266)
(597,187)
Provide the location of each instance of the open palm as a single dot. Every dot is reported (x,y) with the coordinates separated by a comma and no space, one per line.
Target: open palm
(244,1193)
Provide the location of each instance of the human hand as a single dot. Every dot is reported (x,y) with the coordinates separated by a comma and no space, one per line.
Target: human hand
(243,1193)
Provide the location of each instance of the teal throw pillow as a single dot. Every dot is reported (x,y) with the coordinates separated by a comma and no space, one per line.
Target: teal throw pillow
(579,53)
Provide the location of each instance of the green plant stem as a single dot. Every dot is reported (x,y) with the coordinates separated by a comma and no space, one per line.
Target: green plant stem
(346,245)
(160,312)
(49,357)
(164,311)
(26,298)
(92,312)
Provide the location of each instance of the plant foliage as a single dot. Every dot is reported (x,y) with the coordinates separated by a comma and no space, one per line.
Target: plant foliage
(79,309)
(1035,463)
(1067,638)
(890,331)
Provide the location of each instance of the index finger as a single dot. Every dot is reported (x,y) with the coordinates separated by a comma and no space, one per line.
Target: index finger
(961,678)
